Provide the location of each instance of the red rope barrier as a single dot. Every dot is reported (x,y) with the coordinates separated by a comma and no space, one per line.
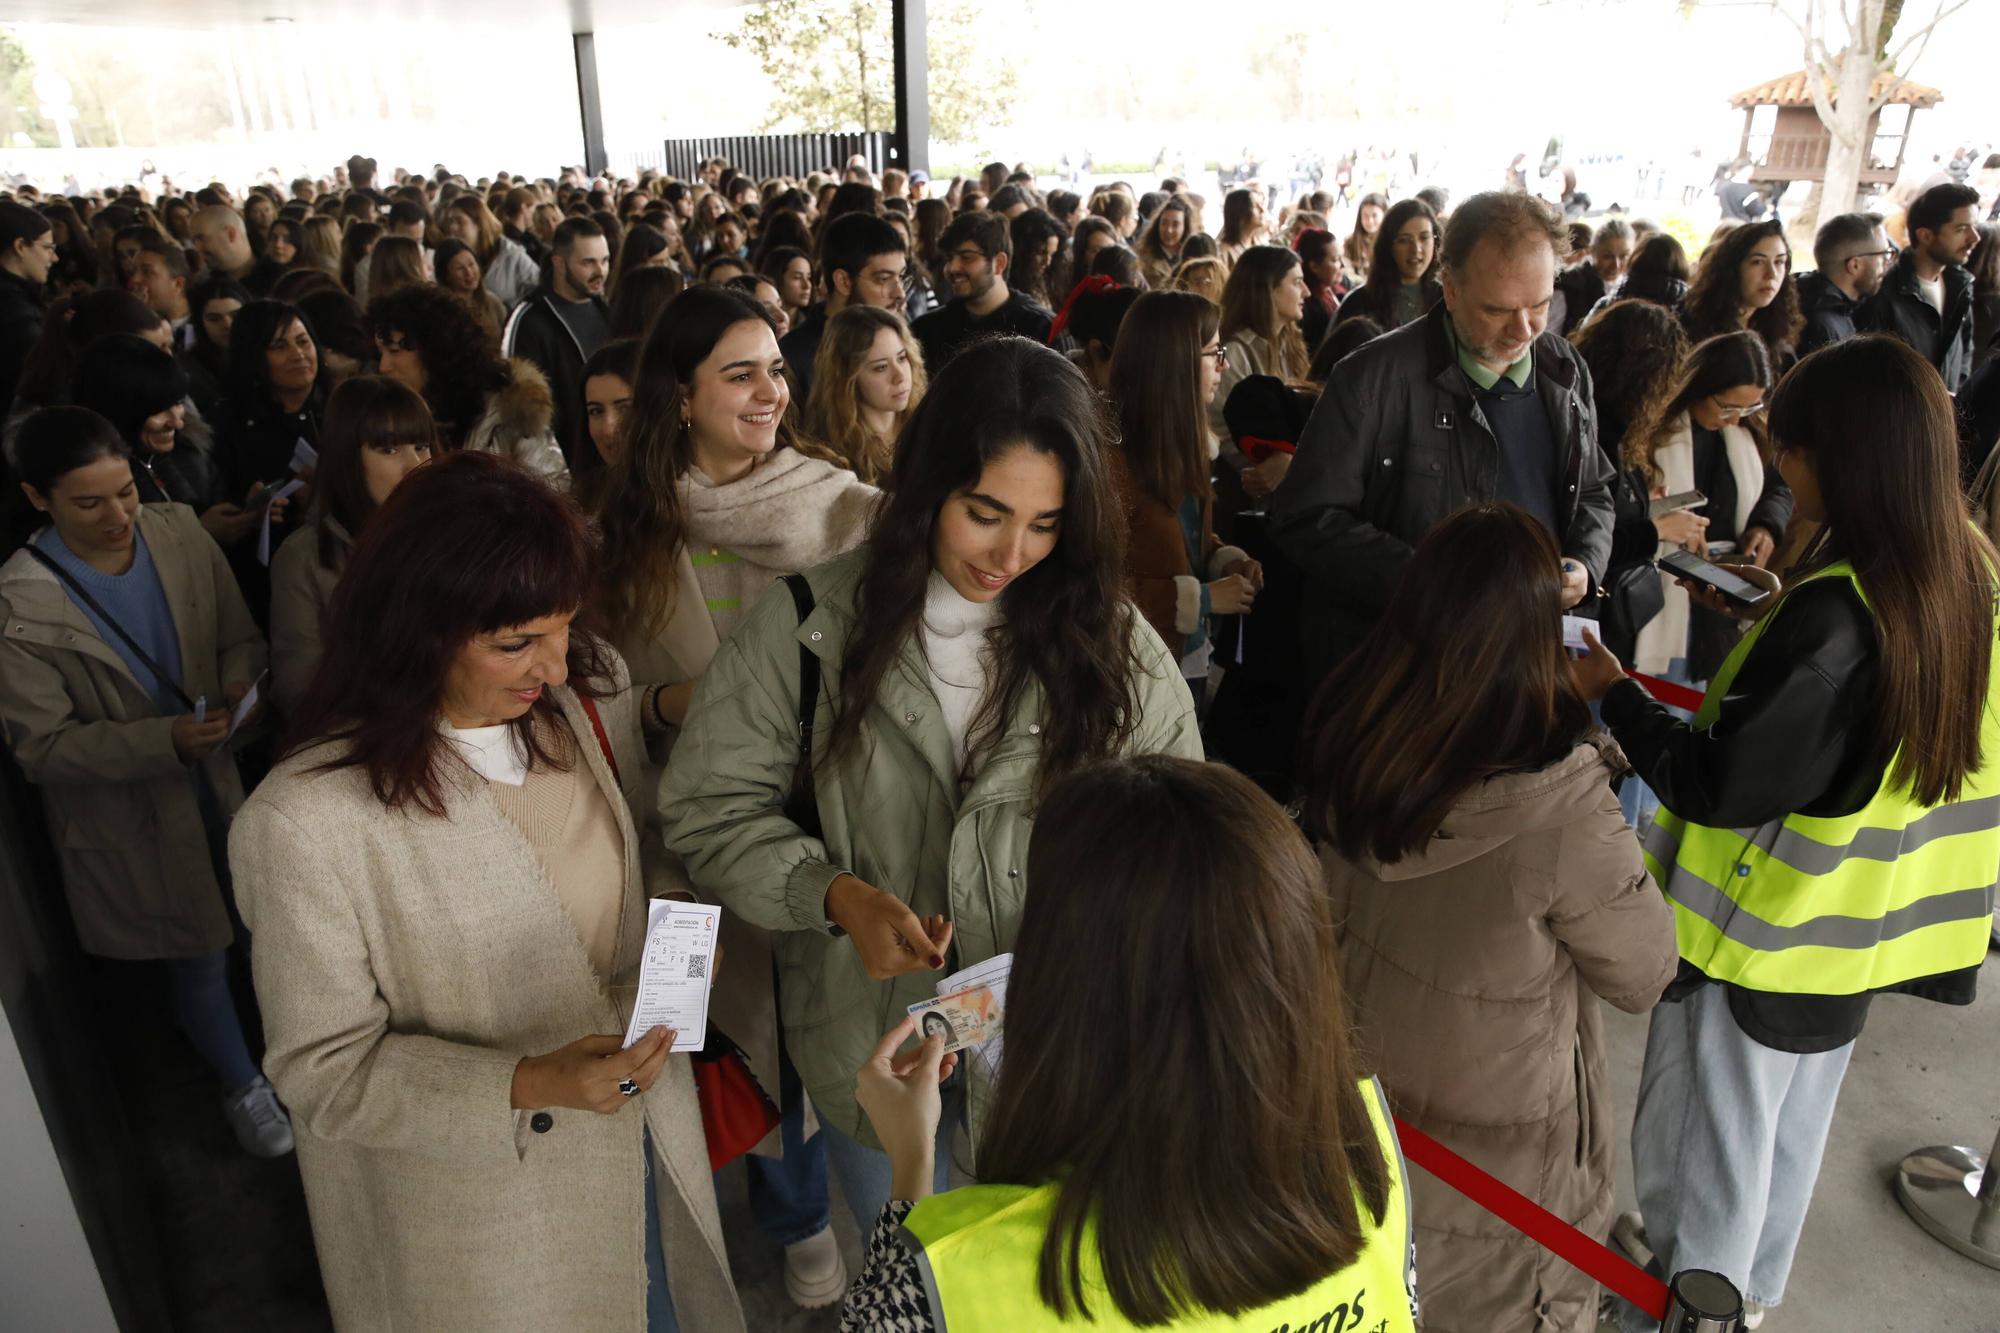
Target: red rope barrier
(1517,1210)
(1669,692)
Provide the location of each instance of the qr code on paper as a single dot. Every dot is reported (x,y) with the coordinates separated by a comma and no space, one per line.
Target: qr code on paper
(698,966)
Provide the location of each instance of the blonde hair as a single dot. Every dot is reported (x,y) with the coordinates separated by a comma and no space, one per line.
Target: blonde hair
(487,233)
(836,431)
(319,243)
(1205,275)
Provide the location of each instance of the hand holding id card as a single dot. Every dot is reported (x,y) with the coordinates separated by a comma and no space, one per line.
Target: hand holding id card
(969,1010)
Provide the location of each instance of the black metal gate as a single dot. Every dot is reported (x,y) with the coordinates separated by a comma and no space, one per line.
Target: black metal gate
(762,155)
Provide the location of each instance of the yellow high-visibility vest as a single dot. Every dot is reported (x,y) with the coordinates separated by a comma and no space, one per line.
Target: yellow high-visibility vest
(1892,893)
(980,1250)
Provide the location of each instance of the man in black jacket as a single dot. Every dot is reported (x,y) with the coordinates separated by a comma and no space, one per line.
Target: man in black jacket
(1927,298)
(27,252)
(1852,254)
(565,322)
(1475,401)
(977,249)
(861,261)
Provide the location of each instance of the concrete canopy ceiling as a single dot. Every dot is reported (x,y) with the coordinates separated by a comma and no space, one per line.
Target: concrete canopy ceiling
(578,15)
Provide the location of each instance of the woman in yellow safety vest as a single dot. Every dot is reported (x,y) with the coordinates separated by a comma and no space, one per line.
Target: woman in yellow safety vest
(1179,1136)
(1830,822)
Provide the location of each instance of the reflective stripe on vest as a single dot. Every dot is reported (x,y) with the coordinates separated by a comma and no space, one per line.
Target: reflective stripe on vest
(1894,892)
(980,1247)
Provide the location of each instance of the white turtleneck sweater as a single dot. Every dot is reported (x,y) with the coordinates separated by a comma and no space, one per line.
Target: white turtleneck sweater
(960,667)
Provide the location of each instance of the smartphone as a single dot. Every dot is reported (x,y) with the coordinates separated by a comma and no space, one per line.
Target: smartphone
(1697,570)
(1667,504)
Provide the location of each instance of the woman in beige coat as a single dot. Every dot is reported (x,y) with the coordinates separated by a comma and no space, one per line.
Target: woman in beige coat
(134,763)
(446,893)
(1487,895)
(377,430)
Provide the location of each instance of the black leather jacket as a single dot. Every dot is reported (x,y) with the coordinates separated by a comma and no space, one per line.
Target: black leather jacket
(1945,340)
(1791,738)
(1395,444)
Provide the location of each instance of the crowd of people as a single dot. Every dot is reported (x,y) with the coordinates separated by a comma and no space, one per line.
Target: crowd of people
(412,578)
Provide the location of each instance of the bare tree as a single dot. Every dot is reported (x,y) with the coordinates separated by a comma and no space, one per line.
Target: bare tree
(1848,43)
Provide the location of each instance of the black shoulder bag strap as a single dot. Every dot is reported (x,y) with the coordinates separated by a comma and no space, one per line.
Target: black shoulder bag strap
(802,805)
(97,608)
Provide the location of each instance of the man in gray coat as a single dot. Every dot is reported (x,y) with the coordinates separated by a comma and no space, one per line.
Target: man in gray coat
(1475,401)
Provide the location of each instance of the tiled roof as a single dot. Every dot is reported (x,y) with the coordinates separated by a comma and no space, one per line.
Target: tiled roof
(1790,90)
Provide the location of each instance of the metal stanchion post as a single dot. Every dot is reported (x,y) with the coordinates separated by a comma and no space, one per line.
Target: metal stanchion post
(1953,1194)
(1699,1301)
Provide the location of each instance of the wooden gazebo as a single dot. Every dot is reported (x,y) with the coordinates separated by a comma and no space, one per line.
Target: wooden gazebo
(1784,140)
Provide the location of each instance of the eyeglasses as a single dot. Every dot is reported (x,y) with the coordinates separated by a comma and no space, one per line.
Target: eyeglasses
(1220,356)
(1728,413)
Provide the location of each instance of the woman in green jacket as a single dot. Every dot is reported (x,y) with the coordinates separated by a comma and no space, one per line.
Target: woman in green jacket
(974,651)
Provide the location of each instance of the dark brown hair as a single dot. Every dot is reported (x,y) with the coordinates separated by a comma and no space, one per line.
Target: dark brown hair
(1156,392)
(1242,1174)
(1066,622)
(1715,296)
(1714,365)
(469,545)
(1247,307)
(1634,351)
(1376,296)
(1873,418)
(366,412)
(1463,678)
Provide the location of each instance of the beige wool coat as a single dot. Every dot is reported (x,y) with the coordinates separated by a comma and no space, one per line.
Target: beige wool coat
(1475,967)
(300,589)
(405,964)
(121,805)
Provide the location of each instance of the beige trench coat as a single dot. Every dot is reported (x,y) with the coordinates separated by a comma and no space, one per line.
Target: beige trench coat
(121,805)
(300,589)
(405,964)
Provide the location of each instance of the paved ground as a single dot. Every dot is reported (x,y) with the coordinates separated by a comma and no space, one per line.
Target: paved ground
(238,1254)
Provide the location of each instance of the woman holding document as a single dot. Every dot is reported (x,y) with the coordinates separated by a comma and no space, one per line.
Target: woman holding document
(1254,1184)
(974,650)
(443,878)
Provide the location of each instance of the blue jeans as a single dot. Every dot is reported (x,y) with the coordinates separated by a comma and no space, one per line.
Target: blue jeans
(865,1177)
(206,1011)
(1726,1147)
(788,1195)
(659,1300)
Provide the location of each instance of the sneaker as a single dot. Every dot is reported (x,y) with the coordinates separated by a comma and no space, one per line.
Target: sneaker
(1753,1315)
(1628,1233)
(815,1274)
(261,1125)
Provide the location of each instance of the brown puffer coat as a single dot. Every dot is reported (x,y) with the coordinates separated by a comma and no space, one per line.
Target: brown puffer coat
(1475,968)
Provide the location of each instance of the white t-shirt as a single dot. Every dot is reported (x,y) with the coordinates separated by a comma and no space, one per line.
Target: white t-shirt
(1933,291)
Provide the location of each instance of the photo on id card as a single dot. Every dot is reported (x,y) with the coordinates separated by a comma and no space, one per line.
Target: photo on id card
(964,1018)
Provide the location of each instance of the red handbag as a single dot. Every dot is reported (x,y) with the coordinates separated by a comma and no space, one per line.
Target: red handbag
(735,1113)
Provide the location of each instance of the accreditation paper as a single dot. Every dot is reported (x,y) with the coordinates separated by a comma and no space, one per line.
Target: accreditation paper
(675,972)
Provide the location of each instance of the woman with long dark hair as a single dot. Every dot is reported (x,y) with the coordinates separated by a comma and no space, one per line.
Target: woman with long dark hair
(1319,260)
(1744,281)
(509,274)
(1242,224)
(1166,366)
(443,878)
(1181,1136)
(704,509)
(123,626)
(1487,894)
(1403,278)
(1261,307)
(479,399)
(1357,252)
(1159,243)
(990,588)
(377,431)
(1825,832)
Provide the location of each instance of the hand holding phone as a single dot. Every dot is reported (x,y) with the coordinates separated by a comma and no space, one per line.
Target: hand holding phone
(1735,590)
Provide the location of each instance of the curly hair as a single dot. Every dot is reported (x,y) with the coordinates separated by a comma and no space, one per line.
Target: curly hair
(1634,350)
(460,366)
(1714,300)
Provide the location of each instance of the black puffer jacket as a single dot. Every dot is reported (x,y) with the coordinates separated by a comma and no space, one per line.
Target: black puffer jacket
(1396,443)
(1944,340)
(20,329)
(1829,312)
